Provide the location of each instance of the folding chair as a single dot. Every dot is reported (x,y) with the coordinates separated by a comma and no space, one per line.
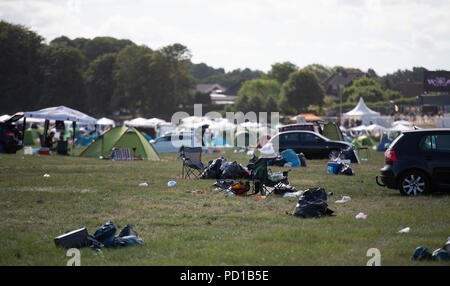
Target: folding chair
(262,178)
(192,162)
(122,154)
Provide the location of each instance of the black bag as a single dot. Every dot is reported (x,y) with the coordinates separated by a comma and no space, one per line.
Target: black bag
(233,171)
(345,169)
(212,171)
(312,203)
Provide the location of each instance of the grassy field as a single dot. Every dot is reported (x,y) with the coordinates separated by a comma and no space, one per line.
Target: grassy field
(193,224)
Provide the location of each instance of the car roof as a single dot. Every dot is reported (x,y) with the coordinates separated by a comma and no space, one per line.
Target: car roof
(428,130)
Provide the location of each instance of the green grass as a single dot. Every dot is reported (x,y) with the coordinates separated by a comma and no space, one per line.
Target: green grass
(183,227)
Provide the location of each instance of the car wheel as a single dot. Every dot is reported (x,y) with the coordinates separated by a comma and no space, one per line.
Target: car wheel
(414,183)
(333,154)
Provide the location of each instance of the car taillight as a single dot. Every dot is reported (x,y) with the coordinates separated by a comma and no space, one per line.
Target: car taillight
(390,156)
(10,134)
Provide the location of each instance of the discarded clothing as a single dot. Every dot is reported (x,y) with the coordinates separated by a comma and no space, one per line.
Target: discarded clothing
(282,189)
(312,203)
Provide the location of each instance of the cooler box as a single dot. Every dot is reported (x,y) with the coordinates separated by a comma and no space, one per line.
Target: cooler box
(44,151)
(332,168)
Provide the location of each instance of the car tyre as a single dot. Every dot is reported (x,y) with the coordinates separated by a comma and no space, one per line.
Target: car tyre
(414,183)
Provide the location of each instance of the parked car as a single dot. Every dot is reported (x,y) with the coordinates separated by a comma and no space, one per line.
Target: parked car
(10,136)
(313,145)
(417,162)
(172,142)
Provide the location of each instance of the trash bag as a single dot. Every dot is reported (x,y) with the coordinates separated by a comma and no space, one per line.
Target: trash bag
(345,169)
(312,203)
(234,171)
(105,234)
(440,255)
(212,171)
(127,236)
(421,253)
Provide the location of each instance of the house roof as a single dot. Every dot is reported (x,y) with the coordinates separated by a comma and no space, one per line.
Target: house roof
(209,87)
(337,79)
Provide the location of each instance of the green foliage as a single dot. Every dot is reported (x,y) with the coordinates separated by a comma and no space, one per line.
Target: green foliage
(261,87)
(404,76)
(301,90)
(100,84)
(321,71)
(20,74)
(63,82)
(206,74)
(281,71)
(370,89)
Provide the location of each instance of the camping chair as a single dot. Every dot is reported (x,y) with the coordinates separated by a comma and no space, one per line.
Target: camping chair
(192,162)
(262,178)
(122,154)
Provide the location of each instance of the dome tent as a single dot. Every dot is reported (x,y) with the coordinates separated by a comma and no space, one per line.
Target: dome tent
(121,137)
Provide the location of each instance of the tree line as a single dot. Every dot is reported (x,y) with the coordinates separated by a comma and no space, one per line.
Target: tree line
(103,76)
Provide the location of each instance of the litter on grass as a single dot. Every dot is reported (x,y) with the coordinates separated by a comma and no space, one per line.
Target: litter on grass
(46,175)
(171,183)
(404,230)
(361,216)
(343,200)
(143,184)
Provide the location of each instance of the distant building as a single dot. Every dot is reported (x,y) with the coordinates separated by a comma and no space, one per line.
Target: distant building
(339,79)
(409,89)
(209,88)
(218,94)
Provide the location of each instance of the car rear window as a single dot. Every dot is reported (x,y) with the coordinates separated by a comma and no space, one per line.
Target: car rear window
(436,142)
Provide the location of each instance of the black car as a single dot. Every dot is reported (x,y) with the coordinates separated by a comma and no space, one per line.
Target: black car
(10,136)
(313,145)
(417,162)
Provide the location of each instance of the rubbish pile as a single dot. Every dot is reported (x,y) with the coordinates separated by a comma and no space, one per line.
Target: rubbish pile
(103,237)
(339,168)
(312,204)
(440,254)
(220,168)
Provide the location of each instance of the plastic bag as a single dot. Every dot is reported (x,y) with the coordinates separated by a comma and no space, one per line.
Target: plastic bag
(312,203)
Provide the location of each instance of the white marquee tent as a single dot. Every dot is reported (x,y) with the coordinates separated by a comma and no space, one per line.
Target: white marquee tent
(362,112)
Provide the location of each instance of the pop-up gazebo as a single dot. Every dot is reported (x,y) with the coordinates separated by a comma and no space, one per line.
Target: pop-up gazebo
(60,113)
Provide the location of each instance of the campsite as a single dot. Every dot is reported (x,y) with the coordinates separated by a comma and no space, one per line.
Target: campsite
(192,224)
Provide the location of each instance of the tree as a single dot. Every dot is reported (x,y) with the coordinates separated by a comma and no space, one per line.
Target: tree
(256,104)
(261,87)
(321,71)
(281,71)
(369,89)
(20,74)
(100,84)
(63,82)
(301,90)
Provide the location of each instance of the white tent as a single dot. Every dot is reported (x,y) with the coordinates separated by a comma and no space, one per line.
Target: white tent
(362,112)
(401,122)
(61,113)
(106,122)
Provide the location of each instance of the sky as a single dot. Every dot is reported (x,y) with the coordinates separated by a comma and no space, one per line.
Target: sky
(385,35)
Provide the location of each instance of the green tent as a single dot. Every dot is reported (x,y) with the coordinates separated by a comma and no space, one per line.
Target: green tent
(121,137)
(332,131)
(29,137)
(363,141)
